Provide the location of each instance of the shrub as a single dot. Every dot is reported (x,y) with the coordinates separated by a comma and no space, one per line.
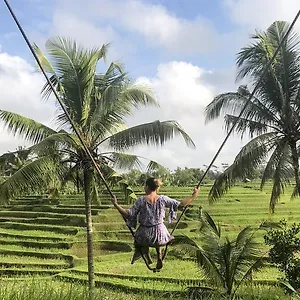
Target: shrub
(285,245)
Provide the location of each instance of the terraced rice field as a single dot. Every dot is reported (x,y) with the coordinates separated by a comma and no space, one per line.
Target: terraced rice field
(41,237)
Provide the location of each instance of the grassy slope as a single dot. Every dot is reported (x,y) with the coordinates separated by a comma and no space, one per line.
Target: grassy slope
(61,225)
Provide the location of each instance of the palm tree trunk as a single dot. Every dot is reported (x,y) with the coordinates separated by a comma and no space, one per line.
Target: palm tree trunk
(295,159)
(87,177)
(77,182)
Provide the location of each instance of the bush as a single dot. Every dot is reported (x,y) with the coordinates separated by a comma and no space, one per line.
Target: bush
(285,244)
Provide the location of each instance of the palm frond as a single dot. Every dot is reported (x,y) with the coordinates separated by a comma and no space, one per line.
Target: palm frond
(124,160)
(72,174)
(128,191)
(252,267)
(25,127)
(213,227)
(76,68)
(267,225)
(115,100)
(210,268)
(155,133)
(232,104)
(138,95)
(31,177)
(58,140)
(186,245)
(245,125)
(43,59)
(280,146)
(280,84)
(280,180)
(250,157)
(153,166)
(184,239)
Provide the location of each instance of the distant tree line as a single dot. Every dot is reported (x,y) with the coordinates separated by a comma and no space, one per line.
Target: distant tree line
(13,161)
(180,176)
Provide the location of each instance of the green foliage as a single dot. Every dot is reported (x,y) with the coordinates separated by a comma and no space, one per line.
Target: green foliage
(133,177)
(98,104)
(30,251)
(136,177)
(284,252)
(226,262)
(13,161)
(37,289)
(187,176)
(271,117)
(181,177)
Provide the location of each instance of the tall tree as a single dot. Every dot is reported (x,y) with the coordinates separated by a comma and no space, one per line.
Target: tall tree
(98,104)
(271,118)
(11,162)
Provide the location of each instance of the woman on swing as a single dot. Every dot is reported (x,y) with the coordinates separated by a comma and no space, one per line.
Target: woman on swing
(149,211)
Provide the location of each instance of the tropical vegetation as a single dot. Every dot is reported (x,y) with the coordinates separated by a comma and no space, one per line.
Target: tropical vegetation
(271,117)
(97,104)
(226,262)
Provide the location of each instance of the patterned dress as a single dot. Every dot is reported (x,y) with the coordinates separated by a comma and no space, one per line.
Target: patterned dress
(152,232)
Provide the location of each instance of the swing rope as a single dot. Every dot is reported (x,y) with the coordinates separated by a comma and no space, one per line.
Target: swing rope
(265,70)
(88,153)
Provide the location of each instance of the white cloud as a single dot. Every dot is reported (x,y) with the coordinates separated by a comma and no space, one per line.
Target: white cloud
(155,23)
(262,13)
(160,27)
(183,91)
(84,32)
(70,20)
(20,88)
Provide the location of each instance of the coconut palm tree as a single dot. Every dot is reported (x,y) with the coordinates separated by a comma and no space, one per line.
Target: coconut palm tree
(226,262)
(98,104)
(13,161)
(271,118)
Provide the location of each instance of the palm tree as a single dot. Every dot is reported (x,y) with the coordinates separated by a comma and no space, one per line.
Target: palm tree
(13,161)
(98,104)
(226,263)
(271,118)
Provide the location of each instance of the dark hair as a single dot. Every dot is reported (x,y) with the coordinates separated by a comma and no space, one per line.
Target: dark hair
(153,183)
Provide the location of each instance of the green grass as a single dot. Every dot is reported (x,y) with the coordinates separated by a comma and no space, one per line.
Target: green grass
(33,233)
(38,288)
(49,290)
(35,253)
(42,227)
(30,260)
(40,250)
(120,264)
(34,244)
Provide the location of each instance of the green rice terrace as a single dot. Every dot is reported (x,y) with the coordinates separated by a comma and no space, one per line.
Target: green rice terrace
(43,238)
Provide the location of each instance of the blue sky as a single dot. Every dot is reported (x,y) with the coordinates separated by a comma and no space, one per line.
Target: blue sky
(37,17)
(183,49)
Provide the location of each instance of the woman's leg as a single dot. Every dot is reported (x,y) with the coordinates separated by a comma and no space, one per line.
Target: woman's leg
(146,253)
(159,264)
(137,254)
